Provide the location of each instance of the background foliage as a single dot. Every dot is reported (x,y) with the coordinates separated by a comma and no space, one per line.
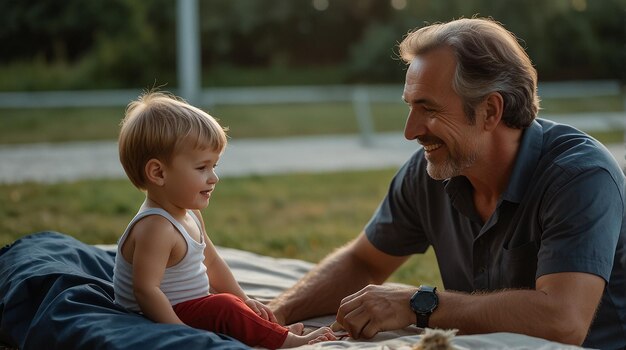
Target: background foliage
(78,44)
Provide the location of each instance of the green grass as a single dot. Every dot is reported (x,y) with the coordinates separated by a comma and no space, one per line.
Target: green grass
(276,120)
(303,216)
(59,125)
(582,104)
(264,121)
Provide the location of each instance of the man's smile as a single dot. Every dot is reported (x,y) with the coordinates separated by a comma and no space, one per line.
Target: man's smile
(432,147)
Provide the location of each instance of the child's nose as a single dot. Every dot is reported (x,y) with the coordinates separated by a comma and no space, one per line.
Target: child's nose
(213,178)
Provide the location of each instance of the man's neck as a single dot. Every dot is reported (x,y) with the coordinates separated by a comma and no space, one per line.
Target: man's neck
(491,173)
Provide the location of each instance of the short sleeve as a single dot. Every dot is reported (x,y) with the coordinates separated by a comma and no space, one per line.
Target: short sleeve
(396,227)
(581,219)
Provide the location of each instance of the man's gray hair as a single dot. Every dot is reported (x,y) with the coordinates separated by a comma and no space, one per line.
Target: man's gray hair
(489,59)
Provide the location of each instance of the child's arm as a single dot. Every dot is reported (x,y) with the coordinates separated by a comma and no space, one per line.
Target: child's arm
(222,279)
(154,240)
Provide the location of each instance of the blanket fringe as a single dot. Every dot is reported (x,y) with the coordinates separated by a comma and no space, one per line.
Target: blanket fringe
(436,339)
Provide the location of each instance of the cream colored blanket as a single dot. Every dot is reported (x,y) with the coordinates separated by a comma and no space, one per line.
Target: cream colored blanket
(264,278)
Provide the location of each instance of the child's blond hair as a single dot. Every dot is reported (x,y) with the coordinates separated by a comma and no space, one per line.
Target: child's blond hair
(156,125)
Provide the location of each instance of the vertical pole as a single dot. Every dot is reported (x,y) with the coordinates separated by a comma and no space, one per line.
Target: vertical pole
(188,50)
(361,105)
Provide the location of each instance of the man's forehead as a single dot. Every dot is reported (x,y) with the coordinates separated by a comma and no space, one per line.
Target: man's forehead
(437,61)
(432,70)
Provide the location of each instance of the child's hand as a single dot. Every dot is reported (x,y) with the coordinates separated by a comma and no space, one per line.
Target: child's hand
(261,309)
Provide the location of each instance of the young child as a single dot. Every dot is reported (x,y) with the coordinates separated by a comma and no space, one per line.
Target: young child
(166,266)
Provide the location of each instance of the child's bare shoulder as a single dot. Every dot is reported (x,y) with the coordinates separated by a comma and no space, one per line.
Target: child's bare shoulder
(153,228)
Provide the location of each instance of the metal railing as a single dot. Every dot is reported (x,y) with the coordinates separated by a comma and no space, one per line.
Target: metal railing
(361,97)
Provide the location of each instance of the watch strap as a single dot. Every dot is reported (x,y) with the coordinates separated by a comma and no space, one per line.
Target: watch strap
(422,320)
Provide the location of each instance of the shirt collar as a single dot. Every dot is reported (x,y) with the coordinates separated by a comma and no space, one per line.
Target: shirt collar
(525,164)
(458,188)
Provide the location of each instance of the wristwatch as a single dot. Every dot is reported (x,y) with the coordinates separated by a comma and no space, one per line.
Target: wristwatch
(423,303)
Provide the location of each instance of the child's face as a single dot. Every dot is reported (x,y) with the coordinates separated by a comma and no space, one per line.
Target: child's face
(190,177)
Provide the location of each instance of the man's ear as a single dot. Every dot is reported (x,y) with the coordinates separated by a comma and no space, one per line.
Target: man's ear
(155,172)
(492,108)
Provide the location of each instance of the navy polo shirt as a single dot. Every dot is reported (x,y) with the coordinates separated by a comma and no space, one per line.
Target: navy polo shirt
(562,211)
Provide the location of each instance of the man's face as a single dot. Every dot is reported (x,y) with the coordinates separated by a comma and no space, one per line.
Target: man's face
(436,116)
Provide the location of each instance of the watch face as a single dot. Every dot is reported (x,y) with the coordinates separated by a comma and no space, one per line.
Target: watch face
(424,302)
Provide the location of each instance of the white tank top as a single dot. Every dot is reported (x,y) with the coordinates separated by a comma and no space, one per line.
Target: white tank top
(184,281)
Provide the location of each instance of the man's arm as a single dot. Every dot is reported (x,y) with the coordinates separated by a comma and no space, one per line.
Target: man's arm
(341,273)
(561,309)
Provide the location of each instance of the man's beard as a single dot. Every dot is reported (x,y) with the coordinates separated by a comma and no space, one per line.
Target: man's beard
(451,166)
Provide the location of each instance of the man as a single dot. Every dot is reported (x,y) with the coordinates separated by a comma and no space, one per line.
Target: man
(526,217)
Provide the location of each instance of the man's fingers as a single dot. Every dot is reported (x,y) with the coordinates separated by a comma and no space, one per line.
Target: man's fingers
(336,327)
(355,321)
(370,330)
(346,307)
(351,297)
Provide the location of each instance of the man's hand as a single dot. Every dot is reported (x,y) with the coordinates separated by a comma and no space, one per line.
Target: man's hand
(341,273)
(376,308)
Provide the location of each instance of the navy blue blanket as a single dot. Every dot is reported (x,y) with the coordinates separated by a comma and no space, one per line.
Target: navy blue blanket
(56,293)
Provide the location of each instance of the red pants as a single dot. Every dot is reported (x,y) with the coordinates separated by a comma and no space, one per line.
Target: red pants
(227,314)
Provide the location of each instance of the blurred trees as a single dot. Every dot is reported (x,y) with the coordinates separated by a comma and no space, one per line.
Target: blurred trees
(131,43)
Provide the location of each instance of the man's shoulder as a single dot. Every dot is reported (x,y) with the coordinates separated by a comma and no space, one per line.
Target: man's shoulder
(573,160)
(570,149)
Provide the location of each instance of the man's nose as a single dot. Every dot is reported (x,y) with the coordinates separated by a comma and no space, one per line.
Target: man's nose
(414,127)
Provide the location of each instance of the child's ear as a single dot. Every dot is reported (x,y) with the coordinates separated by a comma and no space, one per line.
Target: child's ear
(155,172)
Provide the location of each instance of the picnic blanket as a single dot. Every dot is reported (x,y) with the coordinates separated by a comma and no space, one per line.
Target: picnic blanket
(56,293)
